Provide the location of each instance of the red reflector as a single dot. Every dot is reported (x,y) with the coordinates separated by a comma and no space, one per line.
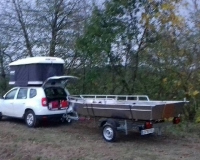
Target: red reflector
(64,104)
(54,104)
(44,102)
(148,125)
(176,120)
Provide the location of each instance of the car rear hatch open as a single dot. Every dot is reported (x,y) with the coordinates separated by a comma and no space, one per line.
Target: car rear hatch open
(61,81)
(56,94)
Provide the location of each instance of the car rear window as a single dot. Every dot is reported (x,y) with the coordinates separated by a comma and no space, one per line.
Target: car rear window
(33,93)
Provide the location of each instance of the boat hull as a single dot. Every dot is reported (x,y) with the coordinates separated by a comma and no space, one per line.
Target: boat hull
(151,110)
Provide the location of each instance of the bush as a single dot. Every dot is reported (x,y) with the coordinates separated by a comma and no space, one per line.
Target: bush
(192,111)
(197,116)
(3,86)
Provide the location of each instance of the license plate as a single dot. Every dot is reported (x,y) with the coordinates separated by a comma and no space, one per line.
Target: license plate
(147,131)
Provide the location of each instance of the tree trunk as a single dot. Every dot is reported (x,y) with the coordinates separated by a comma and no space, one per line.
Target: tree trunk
(18,10)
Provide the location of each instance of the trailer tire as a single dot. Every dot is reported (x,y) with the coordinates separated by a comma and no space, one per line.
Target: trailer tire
(109,132)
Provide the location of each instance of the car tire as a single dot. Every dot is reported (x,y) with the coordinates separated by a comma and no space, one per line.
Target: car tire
(1,116)
(109,132)
(30,119)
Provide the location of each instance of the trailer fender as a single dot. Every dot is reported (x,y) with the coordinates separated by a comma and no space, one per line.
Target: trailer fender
(110,121)
(102,121)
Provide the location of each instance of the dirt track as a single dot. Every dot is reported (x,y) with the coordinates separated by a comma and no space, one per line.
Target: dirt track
(83,141)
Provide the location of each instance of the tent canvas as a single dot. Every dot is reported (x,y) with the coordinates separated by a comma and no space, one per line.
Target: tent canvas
(34,70)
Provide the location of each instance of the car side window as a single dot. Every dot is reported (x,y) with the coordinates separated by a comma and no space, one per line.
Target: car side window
(22,94)
(143,98)
(33,93)
(11,94)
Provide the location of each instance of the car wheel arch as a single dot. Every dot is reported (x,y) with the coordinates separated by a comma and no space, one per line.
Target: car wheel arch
(26,110)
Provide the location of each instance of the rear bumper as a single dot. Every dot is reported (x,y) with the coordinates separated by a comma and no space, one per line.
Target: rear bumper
(49,117)
(44,111)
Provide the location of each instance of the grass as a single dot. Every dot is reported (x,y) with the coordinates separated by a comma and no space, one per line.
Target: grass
(83,141)
(184,129)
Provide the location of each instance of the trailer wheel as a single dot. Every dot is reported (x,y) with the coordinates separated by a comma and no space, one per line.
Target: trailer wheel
(109,132)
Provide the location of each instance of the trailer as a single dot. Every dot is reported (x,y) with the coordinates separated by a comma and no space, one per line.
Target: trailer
(124,112)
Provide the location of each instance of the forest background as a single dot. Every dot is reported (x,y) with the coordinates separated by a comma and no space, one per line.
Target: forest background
(146,47)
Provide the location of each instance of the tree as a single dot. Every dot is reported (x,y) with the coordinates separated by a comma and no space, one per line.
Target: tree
(43,28)
(59,22)
(119,34)
(4,60)
(16,21)
(21,20)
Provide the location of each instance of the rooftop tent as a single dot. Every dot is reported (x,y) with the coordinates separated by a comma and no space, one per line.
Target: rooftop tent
(35,70)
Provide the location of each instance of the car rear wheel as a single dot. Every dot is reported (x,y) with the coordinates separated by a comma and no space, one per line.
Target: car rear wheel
(0,115)
(30,119)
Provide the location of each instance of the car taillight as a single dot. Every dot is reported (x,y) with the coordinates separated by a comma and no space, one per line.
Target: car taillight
(44,102)
(176,120)
(148,125)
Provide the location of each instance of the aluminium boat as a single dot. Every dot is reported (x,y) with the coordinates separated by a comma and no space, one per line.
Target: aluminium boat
(130,107)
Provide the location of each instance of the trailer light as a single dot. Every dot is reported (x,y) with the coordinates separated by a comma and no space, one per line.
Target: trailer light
(148,125)
(44,102)
(176,120)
